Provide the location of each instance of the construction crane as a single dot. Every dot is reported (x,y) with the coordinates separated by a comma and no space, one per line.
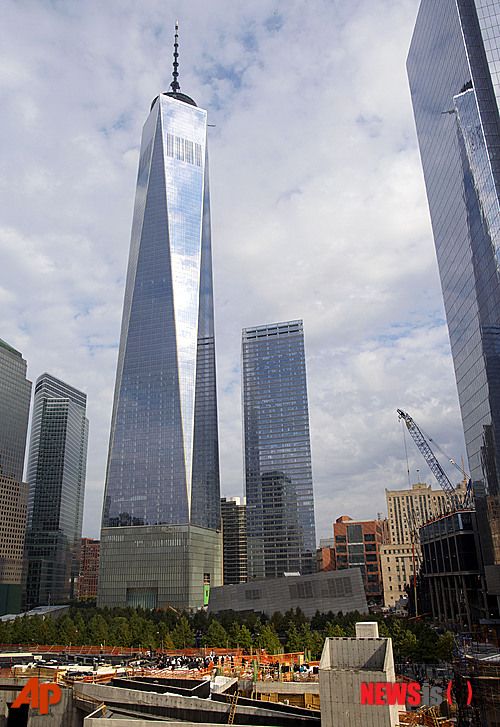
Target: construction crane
(438,472)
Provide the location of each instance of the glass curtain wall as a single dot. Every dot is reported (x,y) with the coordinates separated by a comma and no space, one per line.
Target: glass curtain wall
(278,472)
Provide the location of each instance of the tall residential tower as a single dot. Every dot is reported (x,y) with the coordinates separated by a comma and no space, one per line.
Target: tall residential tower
(278,473)
(454,73)
(56,473)
(15,394)
(160,539)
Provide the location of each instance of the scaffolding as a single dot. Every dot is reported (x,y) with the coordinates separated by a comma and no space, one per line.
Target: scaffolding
(476,689)
(424,717)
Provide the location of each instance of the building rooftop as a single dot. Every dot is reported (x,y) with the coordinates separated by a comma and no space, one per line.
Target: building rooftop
(4,344)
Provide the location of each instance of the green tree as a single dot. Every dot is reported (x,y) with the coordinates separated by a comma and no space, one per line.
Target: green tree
(245,638)
(182,635)
(318,621)
(251,620)
(397,634)
(316,643)
(136,625)
(150,634)
(165,640)
(278,621)
(383,630)
(445,646)
(119,632)
(97,630)
(17,631)
(199,622)
(7,632)
(269,639)
(80,628)
(293,639)
(409,644)
(35,624)
(48,631)
(333,631)
(216,635)
(234,634)
(67,633)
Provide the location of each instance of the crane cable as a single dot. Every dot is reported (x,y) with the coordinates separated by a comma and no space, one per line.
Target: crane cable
(404,427)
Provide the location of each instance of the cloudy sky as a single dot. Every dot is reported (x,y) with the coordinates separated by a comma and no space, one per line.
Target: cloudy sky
(318,212)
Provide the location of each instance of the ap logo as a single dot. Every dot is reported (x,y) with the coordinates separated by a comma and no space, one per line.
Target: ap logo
(38,696)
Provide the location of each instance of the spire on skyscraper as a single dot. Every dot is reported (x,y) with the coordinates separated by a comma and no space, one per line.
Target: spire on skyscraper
(175,87)
(175,73)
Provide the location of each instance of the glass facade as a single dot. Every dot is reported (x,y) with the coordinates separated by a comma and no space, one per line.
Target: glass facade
(452,568)
(56,473)
(15,395)
(278,473)
(163,465)
(453,67)
(234,541)
(163,462)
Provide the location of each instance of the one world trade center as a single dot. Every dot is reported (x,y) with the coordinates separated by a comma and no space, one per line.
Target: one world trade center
(160,538)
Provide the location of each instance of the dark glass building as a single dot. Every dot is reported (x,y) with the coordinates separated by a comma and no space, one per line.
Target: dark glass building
(453,68)
(452,567)
(163,463)
(15,395)
(234,541)
(278,473)
(57,464)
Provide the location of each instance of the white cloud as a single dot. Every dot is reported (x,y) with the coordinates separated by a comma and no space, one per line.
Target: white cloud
(318,209)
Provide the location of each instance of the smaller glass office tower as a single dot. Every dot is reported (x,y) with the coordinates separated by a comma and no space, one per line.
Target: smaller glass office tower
(56,474)
(278,473)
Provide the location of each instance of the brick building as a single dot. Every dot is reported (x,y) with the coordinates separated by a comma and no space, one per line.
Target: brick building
(89,568)
(325,555)
(357,545)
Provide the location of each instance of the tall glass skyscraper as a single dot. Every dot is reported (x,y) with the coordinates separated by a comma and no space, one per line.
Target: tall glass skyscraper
(57,464)
(278,473)
(163,464)
(454,73)
(15,395)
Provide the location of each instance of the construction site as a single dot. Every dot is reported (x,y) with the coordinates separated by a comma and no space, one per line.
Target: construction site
(86,686)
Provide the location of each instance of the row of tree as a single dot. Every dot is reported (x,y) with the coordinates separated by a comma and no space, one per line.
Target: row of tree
(291,632)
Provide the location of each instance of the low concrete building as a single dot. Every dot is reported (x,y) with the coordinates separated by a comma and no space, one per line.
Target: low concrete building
(345,664)
(150,705)
(330,591)
(146,702)
(158,566)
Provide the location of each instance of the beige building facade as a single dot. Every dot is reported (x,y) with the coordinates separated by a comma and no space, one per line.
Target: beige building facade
(407,511)
(396,563)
